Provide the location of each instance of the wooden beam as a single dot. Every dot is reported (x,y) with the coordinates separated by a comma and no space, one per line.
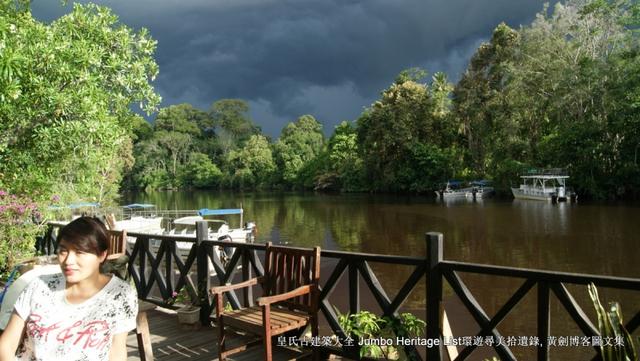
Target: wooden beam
(434,293)
(543,320)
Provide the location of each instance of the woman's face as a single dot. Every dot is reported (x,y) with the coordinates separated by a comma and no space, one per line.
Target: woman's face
(77,265)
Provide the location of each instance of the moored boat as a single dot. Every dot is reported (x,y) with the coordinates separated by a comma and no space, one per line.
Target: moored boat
(139,218)
(453,189)
(545,185)
(217,229)
(480,189)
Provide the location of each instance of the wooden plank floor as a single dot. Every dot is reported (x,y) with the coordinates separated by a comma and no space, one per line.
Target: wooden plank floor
(170,341)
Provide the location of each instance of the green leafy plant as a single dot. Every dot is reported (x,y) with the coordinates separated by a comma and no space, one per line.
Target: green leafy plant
(228,307)
(611,326)
(19,226)
(366,325)
(182,297)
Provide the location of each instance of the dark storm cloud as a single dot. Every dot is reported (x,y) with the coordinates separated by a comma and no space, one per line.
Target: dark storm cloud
(320,57)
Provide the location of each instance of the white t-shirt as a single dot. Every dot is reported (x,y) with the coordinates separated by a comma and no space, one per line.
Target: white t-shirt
(18,286)
(58,330)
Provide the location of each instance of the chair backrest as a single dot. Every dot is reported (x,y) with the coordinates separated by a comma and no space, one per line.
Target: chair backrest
(117,243)
(288,268)
(110,221)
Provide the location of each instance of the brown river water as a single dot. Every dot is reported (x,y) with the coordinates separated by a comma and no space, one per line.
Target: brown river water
(594,238)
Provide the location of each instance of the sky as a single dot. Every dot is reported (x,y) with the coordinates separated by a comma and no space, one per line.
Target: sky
(287,58)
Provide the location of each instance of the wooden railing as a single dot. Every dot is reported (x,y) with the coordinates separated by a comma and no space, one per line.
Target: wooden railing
(157,276)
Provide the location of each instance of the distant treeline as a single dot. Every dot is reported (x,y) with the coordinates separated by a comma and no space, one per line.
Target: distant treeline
(562,92)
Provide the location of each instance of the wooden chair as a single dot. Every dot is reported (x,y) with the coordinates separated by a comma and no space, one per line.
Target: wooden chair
(289,302)
(117,244)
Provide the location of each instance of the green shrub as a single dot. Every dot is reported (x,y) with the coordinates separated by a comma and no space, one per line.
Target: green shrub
(18,230)
(366,325)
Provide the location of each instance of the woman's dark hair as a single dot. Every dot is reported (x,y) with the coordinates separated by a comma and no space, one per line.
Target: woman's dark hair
(86,234)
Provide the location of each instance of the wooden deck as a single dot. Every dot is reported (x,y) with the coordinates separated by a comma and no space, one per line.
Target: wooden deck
(172,341)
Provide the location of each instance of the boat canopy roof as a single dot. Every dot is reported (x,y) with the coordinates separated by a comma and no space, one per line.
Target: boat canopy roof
(545,176)
(76,206)
(138,206)
(219,212)
(483,182)
(454,182)
(83,205)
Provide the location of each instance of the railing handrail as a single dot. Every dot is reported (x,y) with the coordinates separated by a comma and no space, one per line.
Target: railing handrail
(538,274)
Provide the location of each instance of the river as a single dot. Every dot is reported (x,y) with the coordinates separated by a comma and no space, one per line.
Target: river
(596,238)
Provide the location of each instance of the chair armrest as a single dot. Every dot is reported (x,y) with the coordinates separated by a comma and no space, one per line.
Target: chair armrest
(218,290)
(284,296)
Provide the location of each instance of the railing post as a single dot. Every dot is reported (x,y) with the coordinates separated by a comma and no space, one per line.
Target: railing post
(169,272)
(354,304)
(543,320)
(434,294)
(202,271)
(49,241)
(142,257)
(246,275)
(46,244)
(354,289)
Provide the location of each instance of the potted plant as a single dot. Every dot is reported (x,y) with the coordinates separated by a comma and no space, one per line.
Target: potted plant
(188,311)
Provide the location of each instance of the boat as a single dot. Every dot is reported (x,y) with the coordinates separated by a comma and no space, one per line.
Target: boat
(453,189)
(75,210)
(480,189)
(544,185)
(138,218)
(217,230)
(145,219)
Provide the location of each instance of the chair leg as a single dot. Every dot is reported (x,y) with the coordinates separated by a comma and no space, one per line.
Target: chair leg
(143,337)
(266,333)
(314,334)
(221,335)
(267,346)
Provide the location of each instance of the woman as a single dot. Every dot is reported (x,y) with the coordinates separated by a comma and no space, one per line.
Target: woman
(79,314)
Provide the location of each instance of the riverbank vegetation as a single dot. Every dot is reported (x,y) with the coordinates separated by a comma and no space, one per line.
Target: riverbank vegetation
(66,95)
(561,92)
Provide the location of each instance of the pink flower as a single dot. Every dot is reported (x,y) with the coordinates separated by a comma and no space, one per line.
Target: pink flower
(3,192)
(55,198)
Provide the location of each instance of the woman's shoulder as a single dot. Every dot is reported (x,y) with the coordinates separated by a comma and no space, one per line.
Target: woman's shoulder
(123,295)
(117,285)
(52,281)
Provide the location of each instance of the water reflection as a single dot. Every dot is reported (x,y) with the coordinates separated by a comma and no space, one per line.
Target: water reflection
(564,237)
(547,217)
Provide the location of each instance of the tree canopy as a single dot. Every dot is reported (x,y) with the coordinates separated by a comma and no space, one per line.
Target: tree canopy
(66,96)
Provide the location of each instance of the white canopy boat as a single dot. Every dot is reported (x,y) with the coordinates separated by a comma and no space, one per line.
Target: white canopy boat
(218,229)
(139,218)
(545,185)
